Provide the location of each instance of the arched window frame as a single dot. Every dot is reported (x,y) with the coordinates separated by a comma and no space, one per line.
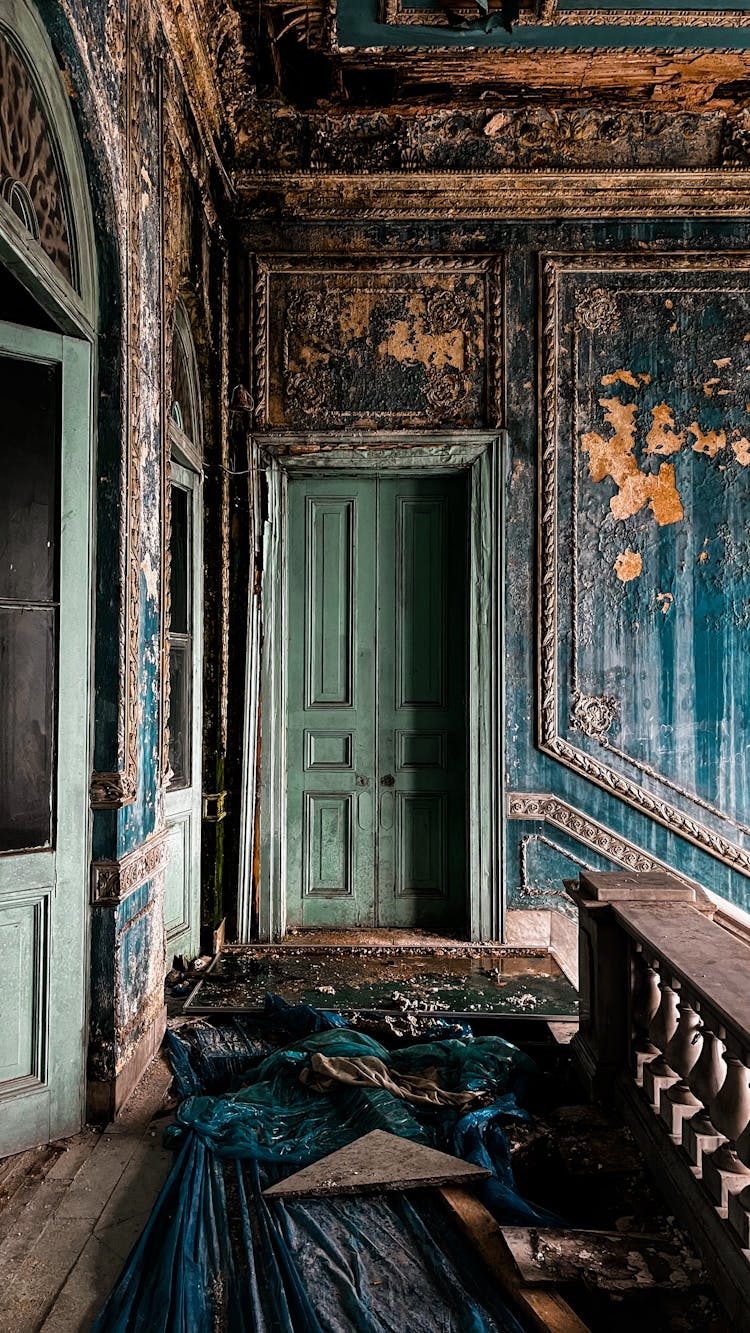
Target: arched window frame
(187,447)
(73,307)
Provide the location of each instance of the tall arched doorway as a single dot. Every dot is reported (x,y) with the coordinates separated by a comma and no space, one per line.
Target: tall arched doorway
(47,330)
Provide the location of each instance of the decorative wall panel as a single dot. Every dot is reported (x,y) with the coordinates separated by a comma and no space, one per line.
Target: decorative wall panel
(24,941)
(388,343)
(645,580)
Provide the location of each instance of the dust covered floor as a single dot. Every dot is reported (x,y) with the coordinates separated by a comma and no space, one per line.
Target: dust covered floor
(428,976)
(580,1162)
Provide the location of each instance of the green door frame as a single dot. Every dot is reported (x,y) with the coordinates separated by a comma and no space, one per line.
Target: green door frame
(49,883)
(480,454)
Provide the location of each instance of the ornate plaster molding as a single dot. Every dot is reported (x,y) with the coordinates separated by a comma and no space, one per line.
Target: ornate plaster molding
(520,196)
(489,267)
(545,14)
(592,716)
(589,832)
(113,881)
(111,790)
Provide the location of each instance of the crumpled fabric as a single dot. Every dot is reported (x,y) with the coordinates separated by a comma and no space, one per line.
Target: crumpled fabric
(367,1071)
(216,1254)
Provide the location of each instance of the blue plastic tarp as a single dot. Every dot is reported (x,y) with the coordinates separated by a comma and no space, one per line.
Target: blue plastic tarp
(215,1255)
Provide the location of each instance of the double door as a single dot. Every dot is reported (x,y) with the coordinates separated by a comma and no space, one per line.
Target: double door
(376,690)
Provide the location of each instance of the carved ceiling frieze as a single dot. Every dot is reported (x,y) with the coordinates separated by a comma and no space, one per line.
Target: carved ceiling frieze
(547,13)
(480,139)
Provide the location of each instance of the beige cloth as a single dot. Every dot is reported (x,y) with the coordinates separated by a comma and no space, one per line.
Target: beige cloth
(367,1071)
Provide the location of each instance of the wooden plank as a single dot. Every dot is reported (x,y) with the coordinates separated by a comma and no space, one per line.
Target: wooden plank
(715,964)
(544,1311)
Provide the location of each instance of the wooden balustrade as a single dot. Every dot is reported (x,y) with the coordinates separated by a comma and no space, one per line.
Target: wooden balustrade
(665,1032)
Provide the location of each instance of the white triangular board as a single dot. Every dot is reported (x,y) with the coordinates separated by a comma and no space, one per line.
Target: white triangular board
(374,1164)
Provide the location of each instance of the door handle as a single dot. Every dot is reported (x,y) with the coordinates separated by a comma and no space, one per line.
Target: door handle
(386,811)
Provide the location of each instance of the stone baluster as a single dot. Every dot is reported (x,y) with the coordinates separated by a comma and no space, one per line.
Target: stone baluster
(646,1000)
(699,1135)
(723,1171)
(681,1054)
(657,1074)
(739,1203)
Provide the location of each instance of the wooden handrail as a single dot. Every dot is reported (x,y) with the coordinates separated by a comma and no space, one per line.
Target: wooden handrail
(665,1032)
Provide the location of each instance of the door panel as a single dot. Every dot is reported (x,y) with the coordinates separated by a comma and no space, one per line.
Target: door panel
(45,387)
(422,702)
(329,616)
(331,692)
(376,702)
(183,799)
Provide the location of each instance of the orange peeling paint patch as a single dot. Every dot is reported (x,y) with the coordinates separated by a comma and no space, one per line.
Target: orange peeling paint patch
(621,377)
(643,375)
(708,386)
(722,361)
(628,565)
(664,496)
(613,457)
(703,557)
(709,441)
(741,448)
(665,600)
(663,438)
(673,328)
(669,304)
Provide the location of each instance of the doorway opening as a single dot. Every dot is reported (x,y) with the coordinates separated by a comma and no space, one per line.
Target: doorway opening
(376,695)
(339,846)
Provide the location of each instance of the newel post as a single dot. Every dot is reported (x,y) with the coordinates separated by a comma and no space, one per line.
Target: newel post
(600,1046)
(610,997)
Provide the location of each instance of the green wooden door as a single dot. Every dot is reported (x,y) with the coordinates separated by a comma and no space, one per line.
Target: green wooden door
(182,884)
(376,724)
(45,389)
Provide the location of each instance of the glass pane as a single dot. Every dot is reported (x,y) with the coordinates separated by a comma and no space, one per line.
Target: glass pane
(179,712)
(27,732)
(30,398)
(180,552)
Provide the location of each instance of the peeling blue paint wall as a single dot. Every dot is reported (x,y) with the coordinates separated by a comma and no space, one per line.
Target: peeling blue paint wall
(122,74)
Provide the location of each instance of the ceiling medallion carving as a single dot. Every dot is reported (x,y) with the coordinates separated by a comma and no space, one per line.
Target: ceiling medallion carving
(598,311)
(30,181)
(593,714)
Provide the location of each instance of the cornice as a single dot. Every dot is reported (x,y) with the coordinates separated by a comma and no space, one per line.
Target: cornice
(185,22)
(546,14)
(503,195)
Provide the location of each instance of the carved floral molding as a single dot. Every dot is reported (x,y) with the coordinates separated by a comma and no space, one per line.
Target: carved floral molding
(589,832)
(113,881)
